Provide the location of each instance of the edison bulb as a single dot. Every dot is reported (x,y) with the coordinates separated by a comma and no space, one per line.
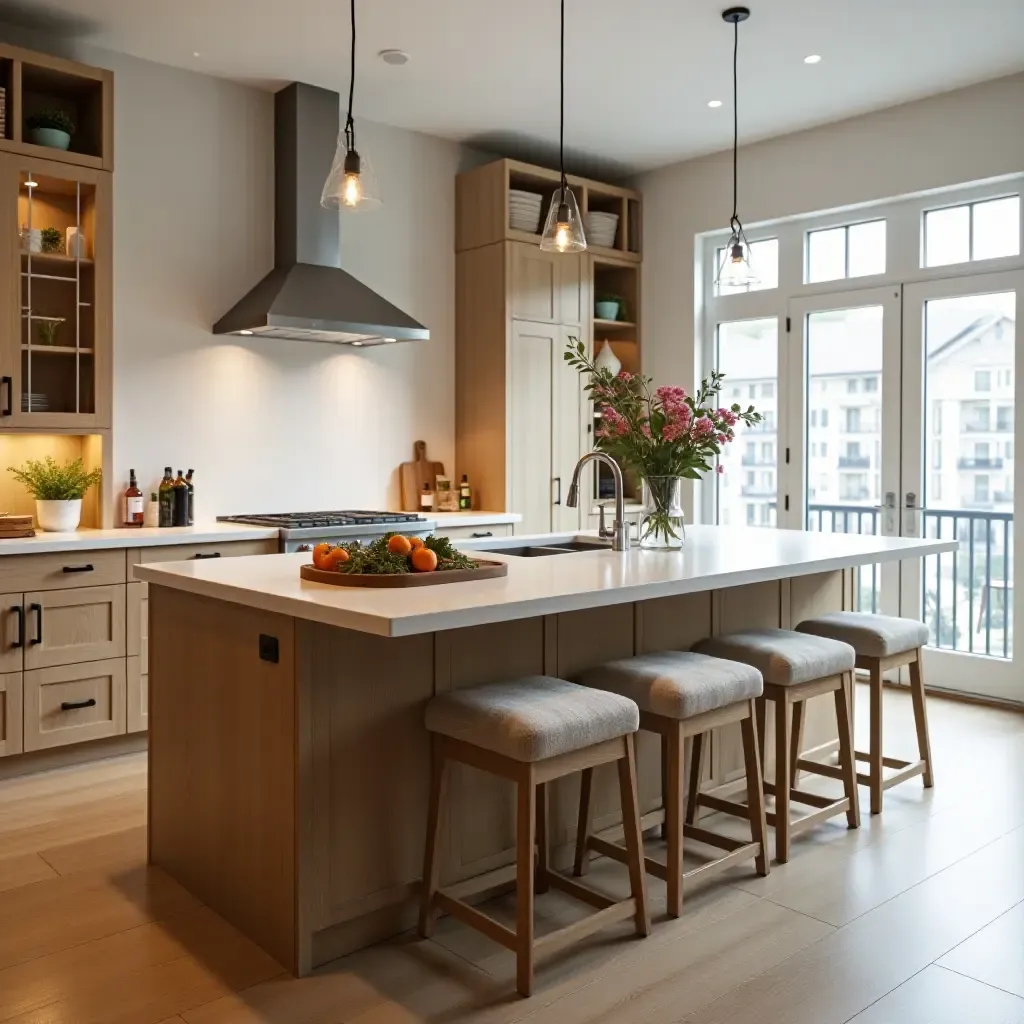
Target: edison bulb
(352,190)
(563,236)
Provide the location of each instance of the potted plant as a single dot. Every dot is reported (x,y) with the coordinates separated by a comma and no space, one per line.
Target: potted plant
(52,128)
(609,306)
(48,329)
(58,491)
(50,237)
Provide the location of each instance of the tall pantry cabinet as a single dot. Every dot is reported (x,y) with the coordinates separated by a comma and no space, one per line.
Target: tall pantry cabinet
(522,418)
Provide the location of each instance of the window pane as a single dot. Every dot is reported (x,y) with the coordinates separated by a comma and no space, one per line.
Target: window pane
(764,260)
(826,255)
(867,249)
(748,356)
(997,228)
(947,236)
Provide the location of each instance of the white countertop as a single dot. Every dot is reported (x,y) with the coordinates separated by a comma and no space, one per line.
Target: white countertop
(714,557)
(128,537)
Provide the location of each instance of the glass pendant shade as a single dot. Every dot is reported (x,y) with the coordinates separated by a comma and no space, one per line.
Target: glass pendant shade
(735,270)
(351,186)
(563,229)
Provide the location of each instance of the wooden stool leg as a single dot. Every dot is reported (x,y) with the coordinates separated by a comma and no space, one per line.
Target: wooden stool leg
(541,877)
(582,863)
(674,821)
(526,818)
(696,774)
(664,783)
(755,793)
(846,759)
(431,860)
(798,741)
(783,775)
(761,704)
(875,749)
(634,841)
(924,746)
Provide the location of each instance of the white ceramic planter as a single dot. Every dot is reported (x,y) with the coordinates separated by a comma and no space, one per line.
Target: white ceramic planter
(59,516)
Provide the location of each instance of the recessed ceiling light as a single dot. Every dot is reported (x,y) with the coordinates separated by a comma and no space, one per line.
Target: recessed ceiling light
(396,57)
(357,344)
(812,58)
(714,104)
(196,53)
(245,332)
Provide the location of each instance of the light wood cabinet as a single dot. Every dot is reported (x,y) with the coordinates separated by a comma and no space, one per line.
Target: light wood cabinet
(476,532)
(10,713)
(65,627)
(197,552)
(137,695)
(61,570)
(74,703)
(546,286)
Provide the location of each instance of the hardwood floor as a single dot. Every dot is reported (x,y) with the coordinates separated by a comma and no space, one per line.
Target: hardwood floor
(917,917)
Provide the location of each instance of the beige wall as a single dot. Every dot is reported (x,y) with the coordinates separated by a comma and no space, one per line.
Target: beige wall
(958,137)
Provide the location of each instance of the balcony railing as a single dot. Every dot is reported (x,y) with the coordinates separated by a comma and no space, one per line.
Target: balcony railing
(978,427)
(758,491)
(854,461)
(967,594)
(984,462)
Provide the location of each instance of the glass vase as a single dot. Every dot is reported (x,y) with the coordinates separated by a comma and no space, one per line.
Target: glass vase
(662,522)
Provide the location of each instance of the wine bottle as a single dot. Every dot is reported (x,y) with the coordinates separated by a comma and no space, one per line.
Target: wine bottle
(191,497)
(134,503)
(465,495)
(167,498)
(180,500)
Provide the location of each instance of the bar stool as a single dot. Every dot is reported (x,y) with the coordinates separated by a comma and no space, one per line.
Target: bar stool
(532,731)
(883,642)
(681,694)
(796,667)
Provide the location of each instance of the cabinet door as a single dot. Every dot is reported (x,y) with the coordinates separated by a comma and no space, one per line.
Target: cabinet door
(56,367)
(12,632)
(536,283)
(137,640)
(136,696)
(74,703)
(10,714)
(64,627)
(574,290)
(568,411)
(531,473)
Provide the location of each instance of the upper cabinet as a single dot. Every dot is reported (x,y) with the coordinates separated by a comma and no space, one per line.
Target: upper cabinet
(546,286)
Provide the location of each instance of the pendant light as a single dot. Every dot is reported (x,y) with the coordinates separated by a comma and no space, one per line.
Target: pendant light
(563,229)
(735,270)
(351,185)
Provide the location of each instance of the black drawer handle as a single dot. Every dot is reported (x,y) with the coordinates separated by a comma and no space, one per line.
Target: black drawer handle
(20,612)
(199,555)
(75,705)
(38,609)
(487,534)
(558,500)
(78,568)
(8,382)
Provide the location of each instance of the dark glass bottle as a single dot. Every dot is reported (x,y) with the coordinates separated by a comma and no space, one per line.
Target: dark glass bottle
(191,497)
(134,502)
(167,498)
(180,505)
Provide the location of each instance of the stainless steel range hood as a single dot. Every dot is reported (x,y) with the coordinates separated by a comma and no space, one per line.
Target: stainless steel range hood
(307,296)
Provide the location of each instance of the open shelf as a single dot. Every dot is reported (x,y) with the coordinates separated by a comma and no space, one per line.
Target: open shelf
(57,350)
(614,325)
(55,259)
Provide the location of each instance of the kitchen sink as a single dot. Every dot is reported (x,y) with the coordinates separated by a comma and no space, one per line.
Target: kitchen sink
(568,547)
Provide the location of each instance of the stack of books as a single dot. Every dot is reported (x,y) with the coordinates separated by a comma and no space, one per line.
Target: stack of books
(15,526)
(3,112)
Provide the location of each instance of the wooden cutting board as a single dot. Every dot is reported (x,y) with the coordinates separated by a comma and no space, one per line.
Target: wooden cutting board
(417,473)
(485,570)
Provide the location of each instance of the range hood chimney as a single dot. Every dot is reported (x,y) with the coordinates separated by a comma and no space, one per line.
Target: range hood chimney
(307,296)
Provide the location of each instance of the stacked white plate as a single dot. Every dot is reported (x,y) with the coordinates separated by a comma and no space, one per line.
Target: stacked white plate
(601,228)
(40,402)
(524,210)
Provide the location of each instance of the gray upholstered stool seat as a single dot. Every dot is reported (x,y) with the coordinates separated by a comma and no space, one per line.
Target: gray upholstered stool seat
(783,657)
(877,636)
(677,684)
(532,718)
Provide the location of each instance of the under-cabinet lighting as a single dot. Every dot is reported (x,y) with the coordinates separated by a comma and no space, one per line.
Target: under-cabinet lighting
(245,332)
(812,58)
(31,184)
(714,104)
(357,344)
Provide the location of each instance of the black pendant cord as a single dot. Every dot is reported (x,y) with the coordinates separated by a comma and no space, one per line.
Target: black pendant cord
(350,124)
(561,106)
(735,221)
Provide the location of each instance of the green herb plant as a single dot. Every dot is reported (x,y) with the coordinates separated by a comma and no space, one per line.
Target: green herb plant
(55,119)
(47,480)
(51,239)
(374,559)
(612,297)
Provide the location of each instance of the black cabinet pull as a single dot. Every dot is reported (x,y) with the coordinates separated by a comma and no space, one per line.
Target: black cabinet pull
(199,555)
(74,705)
(38,609)
(558,500)
(20,612)
(8,408)
(78,568)
(487,534)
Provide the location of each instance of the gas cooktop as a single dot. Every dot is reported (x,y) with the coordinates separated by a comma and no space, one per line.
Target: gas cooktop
(311,520)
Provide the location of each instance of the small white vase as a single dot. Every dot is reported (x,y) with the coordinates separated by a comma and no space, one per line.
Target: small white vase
(608,360)
(59,516)
(151,514)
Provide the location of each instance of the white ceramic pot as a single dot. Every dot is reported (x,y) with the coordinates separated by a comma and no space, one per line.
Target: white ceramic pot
(59,516)
(608,360)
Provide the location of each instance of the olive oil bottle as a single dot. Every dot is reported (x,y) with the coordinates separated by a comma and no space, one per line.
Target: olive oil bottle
(166,498)
(180,502)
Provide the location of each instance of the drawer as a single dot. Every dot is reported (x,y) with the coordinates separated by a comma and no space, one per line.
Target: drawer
(74,703)
(185,552)
(64,627)
(475,532)
(138,623)
(61,570)
(137,696)
(12,632)
(10,714)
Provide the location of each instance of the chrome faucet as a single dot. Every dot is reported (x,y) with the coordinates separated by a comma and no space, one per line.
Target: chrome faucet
(619,533)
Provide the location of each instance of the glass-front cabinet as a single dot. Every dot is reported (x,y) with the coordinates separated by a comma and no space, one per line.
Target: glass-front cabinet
(55,359)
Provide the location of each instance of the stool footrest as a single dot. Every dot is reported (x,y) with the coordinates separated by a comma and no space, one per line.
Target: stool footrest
(572,933)
(801,796)
(703,835)
(908,772)
(716,803)
(579,891)
(476,919)
(799,825)
(887,762)
(830,771)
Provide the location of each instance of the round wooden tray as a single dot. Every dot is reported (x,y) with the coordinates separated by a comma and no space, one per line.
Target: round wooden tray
(486,571)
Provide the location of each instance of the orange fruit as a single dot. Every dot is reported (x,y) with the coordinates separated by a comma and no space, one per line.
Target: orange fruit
(337,557)
(424,560)
(320,553)
(416,542)
(399,545)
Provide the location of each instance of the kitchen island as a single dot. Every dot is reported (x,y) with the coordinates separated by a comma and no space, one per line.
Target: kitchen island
(288,759)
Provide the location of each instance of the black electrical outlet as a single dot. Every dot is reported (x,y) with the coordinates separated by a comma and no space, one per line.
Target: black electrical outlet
(269,648)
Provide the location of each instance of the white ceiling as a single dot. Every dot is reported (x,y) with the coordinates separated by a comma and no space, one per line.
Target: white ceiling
(639,74)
